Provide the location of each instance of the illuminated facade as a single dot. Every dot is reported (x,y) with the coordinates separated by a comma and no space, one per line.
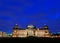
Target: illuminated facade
(30,31)
(2,34)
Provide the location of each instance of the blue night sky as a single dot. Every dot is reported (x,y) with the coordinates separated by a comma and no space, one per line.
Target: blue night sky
(25,12)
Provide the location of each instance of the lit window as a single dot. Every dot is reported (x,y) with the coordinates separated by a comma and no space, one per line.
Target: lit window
(14,36)
(14,30)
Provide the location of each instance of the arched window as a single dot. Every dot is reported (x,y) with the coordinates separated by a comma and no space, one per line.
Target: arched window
(45,31)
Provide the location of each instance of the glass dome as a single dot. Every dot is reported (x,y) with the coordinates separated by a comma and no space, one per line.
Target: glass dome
(30,26)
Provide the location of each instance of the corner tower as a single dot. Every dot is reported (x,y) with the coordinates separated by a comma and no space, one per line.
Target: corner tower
(15,30)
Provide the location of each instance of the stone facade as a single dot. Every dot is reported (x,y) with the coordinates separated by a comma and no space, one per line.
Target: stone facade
(2,34)
(30,32)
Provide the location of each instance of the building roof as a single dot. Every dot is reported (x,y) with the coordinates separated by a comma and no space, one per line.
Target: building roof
(45,27)
(55,34)
(16,26)
(30,26)
(21,29)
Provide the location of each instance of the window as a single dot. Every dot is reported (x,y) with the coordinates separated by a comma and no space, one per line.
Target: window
(14,35)
(45,31)
(14,30)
